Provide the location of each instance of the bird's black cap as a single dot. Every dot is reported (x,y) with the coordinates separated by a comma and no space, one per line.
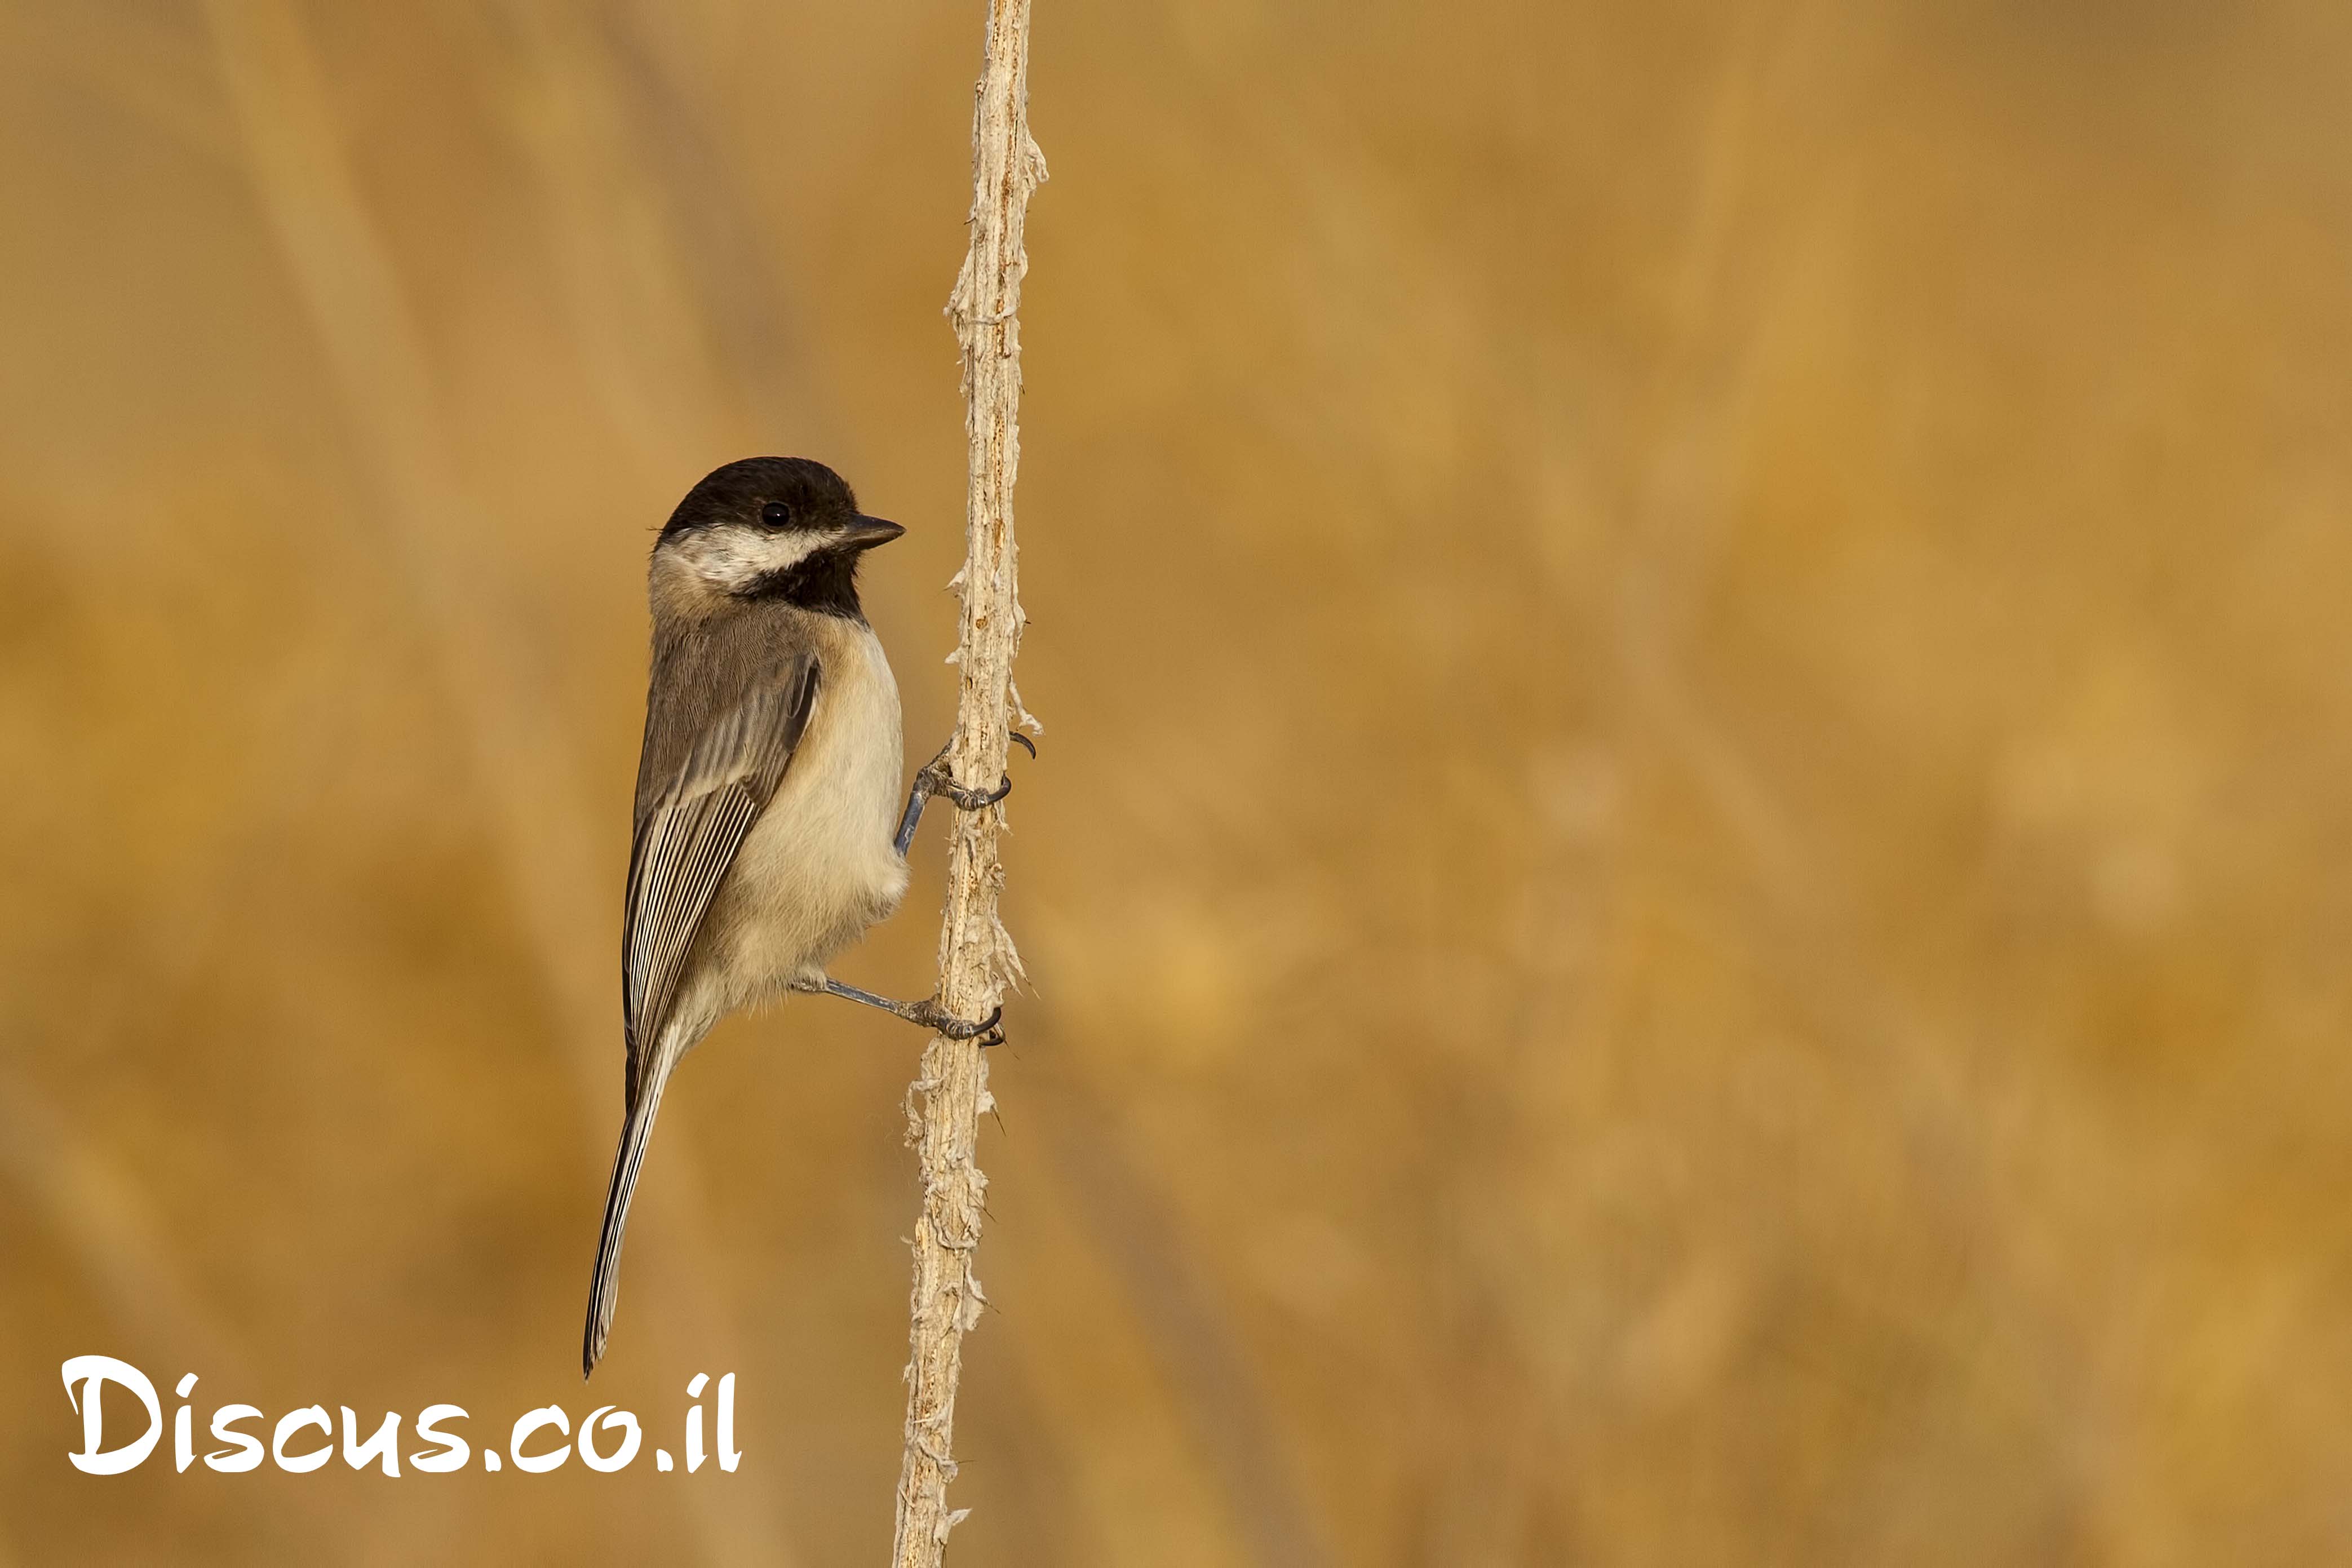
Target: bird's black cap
(812,496)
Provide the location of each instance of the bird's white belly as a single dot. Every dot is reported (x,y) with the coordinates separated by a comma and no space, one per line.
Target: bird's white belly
(819,866)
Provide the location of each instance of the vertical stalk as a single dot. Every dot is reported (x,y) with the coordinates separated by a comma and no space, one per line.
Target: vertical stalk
(977,961)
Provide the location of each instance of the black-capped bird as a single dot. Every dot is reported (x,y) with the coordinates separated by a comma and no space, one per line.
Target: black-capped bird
(768,789)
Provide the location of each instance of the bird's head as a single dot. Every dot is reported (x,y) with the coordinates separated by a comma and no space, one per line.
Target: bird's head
(768,528)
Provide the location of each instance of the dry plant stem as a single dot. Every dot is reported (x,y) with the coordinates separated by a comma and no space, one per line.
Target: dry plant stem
(977,961)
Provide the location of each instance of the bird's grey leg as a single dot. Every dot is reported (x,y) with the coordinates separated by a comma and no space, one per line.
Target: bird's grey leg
(928,1013)
(934,779)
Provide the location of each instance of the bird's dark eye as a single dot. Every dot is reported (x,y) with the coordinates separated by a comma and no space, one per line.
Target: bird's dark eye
(775,514)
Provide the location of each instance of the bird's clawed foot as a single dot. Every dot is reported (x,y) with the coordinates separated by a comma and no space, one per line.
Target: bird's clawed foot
(927,1014)
(989,1031)
(935,779)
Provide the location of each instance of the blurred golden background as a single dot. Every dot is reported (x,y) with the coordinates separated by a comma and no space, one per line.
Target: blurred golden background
(1687,882)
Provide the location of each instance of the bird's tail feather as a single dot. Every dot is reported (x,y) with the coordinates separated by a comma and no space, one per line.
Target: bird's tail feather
(637,1132)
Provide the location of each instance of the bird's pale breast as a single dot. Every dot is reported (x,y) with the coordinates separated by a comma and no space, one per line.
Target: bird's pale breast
(818,867)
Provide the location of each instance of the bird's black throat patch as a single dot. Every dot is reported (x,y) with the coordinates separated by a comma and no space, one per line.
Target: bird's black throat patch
(826,581)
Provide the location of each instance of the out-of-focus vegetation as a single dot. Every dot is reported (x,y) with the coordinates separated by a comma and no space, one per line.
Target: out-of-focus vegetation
(1688,880)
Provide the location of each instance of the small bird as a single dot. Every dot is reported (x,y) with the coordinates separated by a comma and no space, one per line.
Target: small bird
(766,791)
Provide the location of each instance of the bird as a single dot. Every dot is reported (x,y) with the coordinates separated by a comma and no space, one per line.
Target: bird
(763,843)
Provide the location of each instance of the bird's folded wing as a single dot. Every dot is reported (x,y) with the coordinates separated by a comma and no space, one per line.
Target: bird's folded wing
(688,835)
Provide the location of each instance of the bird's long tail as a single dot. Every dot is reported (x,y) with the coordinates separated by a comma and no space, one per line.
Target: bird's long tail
(637,1132)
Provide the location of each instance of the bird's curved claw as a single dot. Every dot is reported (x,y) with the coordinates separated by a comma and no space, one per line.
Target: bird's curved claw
(937,782)
(972,800)
(931,1016)
(935,779)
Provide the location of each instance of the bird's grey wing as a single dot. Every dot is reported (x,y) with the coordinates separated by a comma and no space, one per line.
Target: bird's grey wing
(688,830)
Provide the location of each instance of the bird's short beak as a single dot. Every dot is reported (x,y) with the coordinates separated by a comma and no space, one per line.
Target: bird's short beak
(866,532)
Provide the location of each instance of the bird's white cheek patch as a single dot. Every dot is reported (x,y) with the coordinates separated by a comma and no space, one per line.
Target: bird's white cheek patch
(731,557)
